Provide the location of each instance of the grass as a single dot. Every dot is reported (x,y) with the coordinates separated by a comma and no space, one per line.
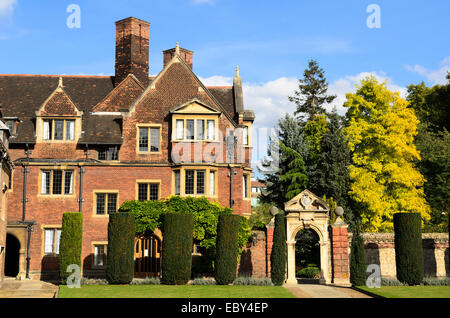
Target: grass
(164,291)
(410,291)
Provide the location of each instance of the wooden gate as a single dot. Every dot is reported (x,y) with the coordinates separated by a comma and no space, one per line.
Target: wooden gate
(147,256)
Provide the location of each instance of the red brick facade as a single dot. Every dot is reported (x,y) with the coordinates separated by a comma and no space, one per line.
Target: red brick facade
(340,253)
(113,120)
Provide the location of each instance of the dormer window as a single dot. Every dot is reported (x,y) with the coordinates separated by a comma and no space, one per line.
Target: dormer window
(58,129)
(12,125)
(108,153)
(196,129)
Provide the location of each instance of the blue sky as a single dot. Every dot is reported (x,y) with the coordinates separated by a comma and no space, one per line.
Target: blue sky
(271,41)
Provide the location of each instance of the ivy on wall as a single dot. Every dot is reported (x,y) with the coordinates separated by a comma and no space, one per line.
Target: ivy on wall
(148,215)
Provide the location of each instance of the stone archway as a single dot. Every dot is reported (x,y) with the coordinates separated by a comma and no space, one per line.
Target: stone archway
(307,211)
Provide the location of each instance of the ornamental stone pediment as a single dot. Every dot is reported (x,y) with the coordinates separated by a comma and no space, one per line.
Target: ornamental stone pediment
(306,201)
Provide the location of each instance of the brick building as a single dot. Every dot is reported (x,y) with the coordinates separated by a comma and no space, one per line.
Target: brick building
(6,170)
(88,143)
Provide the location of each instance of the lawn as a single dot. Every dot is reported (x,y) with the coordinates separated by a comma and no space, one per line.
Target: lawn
(164,291)
(410,291)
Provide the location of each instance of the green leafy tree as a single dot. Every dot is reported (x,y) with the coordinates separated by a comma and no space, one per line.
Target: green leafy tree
(312,93)
(431,104)
(434,148)
(433,142)
(380,133)
(290,178)
(70,242)
(331,177)
(260,216)
(149,216)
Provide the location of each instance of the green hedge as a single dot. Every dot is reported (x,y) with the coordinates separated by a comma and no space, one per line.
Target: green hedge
(149,216)
(408,248)
(177,248)
(227,249)
(70,242)
(357,261)
(278,256)
(120,255)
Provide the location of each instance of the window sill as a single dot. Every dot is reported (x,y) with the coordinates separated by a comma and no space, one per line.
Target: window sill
(149,153)
(193,141)
(56,196)
(57,141)
(101,216)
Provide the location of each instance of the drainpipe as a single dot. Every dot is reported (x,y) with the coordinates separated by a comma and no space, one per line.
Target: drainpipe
(80,199)
(29,230)
(29,224)
(230,174)
(24,195)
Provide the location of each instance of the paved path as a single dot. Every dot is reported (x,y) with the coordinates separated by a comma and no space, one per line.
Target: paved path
(12,288)
(323,291)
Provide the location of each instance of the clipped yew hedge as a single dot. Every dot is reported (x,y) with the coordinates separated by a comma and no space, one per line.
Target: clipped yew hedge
(177,248)
(357,261)
(70,243)
(227,249)
(408,248)
(278,256)
(120,254)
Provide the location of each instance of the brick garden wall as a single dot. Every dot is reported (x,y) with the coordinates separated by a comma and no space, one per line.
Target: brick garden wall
(380,249)
(253,260)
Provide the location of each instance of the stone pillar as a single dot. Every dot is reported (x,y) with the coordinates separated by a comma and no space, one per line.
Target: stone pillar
(269,243)
(339,237)
(291,279)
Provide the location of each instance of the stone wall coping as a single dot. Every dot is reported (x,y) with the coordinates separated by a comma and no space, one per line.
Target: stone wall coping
(389,237)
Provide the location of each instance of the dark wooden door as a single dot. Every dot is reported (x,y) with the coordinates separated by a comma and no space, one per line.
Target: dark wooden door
(147,257)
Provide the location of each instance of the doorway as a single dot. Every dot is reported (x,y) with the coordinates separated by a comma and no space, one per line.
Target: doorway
(147,256)
(12,253)
(307,256)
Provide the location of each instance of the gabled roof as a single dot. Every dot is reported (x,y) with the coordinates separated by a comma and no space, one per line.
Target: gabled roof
(122,96)
(205,108)
(22,95)
(175,85)
(58,104)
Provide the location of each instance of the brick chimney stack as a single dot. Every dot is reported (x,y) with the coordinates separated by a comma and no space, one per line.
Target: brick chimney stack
(186,55)
(132,49)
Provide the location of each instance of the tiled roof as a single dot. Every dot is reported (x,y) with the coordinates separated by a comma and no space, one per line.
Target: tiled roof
(224,94)
(22,95)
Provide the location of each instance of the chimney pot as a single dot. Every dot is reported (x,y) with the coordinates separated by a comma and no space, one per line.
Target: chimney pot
(132,49)
(186,55)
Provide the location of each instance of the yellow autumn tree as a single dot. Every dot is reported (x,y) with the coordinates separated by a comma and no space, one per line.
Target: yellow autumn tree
(380,132)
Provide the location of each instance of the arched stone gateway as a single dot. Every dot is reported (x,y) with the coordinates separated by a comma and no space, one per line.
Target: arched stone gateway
(307,211)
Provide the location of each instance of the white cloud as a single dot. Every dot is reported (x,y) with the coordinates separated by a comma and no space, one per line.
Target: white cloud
(7,7)
(434,76)
(269,100)
(217,80)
